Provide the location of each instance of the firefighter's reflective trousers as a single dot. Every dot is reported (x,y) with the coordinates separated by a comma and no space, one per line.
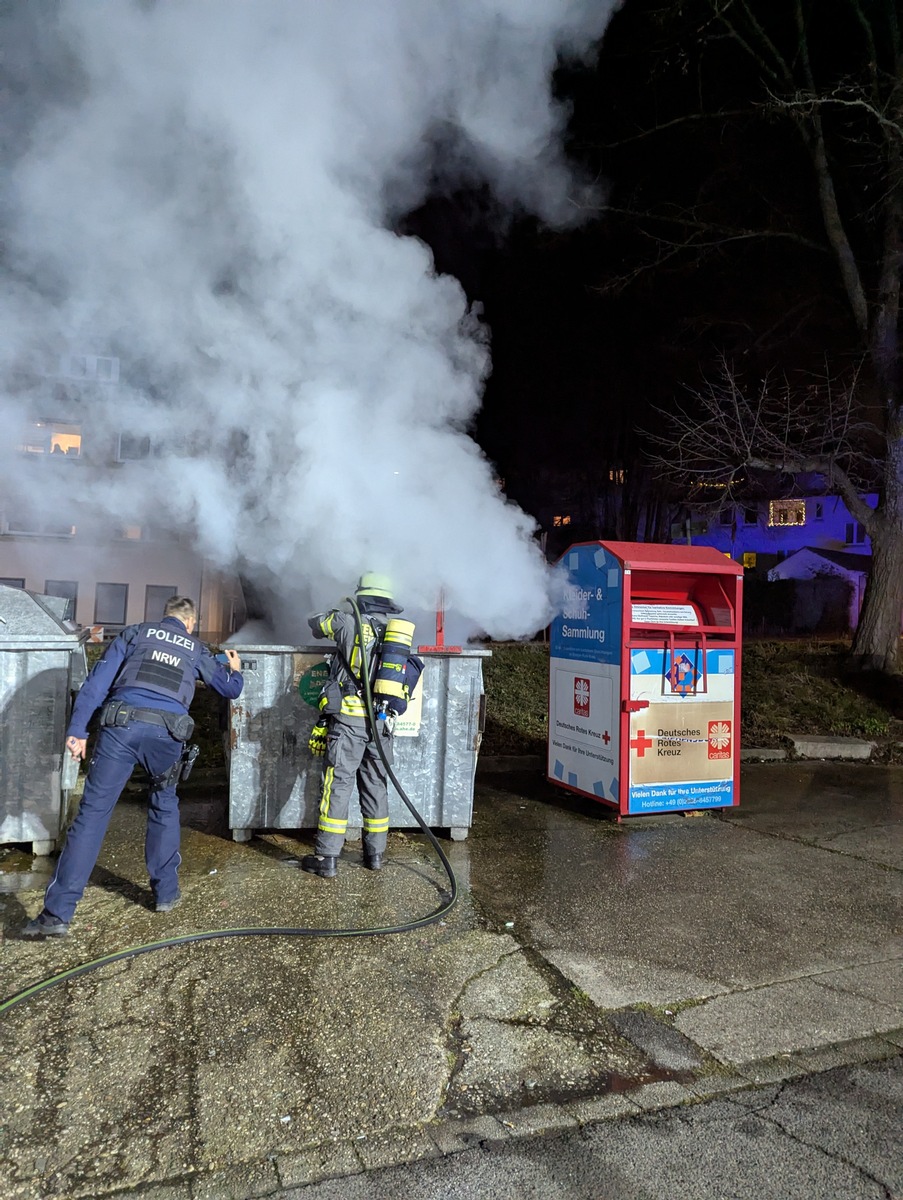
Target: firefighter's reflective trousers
(353,761)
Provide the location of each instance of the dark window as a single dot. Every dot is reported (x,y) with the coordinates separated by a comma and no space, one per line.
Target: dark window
(19,583)
(132,445)
(727,517)
(155,596)
(68,589)
(818,510)
(19,523)
(110,601)
(750,516)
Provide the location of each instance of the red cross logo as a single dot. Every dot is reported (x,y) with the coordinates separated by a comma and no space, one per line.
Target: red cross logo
(605,737)
(641,743)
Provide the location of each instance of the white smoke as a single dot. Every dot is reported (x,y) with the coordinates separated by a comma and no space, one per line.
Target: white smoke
(208,191)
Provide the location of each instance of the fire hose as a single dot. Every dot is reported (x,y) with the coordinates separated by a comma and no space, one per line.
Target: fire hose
(276,931)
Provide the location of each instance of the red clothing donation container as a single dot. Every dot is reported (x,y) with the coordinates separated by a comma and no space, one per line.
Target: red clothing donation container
(644,677)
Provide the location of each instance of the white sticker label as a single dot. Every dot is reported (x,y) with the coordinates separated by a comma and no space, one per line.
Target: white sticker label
(664,614)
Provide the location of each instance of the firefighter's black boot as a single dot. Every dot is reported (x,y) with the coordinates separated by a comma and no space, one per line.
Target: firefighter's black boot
(319,864)
(373,862)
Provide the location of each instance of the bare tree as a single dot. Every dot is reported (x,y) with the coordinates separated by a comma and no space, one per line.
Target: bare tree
(833,73)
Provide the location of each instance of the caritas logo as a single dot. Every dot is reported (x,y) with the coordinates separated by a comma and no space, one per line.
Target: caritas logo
(581,697)
(719,739)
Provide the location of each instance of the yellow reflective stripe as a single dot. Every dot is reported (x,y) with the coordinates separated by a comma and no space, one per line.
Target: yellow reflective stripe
(354,706)
(327,790)
(388,687)
(326,625)
(329,825)
(376,824)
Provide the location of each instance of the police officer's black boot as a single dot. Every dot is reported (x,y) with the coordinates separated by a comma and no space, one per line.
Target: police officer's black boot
(44,926)
(319,864)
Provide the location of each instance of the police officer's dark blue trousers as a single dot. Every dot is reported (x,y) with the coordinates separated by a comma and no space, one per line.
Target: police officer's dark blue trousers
(117,752)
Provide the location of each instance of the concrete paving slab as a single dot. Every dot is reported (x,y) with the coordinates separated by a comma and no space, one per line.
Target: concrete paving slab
(662,914)
(783,1017)
(827,804)
(509,1062)
(512,990)
(454,1136)
(322,1162)
(664,1045)
(384,1149)
(611,981)
(862,1050)
(879,981)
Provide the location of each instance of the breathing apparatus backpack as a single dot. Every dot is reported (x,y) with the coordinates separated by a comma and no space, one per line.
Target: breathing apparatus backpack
(397,669)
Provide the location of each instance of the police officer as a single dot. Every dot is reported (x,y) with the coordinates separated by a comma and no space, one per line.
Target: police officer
(145,683)
(344,735)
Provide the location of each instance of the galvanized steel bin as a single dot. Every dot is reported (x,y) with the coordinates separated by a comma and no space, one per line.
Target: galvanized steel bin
(42,663)
(274,781)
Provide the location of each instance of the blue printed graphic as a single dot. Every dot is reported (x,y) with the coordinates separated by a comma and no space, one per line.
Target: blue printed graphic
(660,797)
(684,675)
(589,626)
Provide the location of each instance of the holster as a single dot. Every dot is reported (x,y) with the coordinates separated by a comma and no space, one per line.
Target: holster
(180,769)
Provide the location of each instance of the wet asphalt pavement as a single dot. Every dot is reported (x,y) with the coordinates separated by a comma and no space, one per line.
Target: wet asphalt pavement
(594,987)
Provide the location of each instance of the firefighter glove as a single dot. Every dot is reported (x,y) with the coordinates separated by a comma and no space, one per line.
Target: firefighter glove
(317,741)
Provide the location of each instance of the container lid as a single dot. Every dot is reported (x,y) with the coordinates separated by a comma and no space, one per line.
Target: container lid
(32,621)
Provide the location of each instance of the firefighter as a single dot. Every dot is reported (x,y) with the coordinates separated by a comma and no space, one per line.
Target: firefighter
(143,684)
(343,733)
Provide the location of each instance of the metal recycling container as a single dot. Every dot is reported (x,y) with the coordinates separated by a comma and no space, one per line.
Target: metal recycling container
(275,782)
(42,664)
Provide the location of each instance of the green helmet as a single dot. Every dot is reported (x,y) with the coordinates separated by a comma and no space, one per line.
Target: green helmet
(378,586)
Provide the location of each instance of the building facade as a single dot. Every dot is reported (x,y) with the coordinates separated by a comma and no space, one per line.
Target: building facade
(55,536)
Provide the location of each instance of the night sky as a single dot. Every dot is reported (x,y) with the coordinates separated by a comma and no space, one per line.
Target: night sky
(581,362)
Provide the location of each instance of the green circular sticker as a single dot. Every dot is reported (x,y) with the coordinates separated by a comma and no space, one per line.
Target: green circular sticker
(311,683)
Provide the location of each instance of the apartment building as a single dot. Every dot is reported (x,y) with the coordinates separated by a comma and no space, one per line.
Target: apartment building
(112,573)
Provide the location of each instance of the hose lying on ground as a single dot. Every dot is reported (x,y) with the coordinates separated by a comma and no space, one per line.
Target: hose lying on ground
(275,931)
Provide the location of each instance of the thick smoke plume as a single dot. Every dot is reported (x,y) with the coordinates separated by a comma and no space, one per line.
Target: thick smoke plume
(208,192)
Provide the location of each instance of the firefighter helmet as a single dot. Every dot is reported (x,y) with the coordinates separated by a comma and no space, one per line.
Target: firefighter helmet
(377,586)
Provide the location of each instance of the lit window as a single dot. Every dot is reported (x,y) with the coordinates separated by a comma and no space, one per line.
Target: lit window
(787,512)
(617,475)
(52,437)
(130,533)
(562,520)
